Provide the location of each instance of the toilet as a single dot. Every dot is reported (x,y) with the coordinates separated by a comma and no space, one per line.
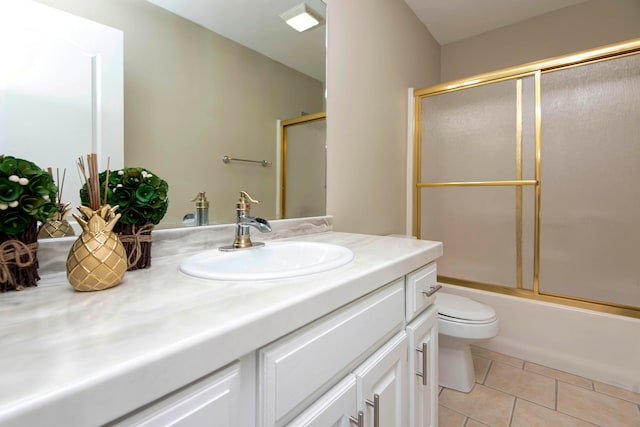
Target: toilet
(461,322)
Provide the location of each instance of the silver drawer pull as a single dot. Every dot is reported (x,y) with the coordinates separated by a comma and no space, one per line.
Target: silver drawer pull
(376,409)
(358,421)
(425,361)
(432,290)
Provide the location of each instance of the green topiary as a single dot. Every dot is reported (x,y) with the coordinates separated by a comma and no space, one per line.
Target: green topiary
(140,195)
(27,194)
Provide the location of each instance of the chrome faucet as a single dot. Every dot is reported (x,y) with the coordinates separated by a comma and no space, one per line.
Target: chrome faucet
(244,222)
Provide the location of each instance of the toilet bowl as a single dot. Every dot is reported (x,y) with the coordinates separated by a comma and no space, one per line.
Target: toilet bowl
(461,322)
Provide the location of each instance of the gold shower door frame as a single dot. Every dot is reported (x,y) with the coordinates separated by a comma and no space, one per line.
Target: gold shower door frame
(535,69)
(284,124)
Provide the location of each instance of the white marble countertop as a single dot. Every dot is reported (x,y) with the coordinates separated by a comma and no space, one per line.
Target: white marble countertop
(103,353)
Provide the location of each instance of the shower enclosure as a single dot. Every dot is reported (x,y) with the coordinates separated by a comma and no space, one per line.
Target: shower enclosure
(303,166)
(529,175)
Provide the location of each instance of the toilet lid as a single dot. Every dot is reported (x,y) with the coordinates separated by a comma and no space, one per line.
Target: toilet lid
(463,308)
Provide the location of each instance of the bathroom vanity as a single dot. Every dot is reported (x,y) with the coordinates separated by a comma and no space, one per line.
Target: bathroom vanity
(358,342)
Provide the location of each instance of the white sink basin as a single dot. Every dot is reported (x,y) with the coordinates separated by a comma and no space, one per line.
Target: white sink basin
(275,260)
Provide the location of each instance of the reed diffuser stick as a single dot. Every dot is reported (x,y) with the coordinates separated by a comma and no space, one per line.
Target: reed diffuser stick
(106,181)
(92,181)
(61,184)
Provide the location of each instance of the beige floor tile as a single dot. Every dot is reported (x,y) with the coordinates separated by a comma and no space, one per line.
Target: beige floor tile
(481,367)
(560,375)
(617,392)
(596,407)
(528,385)
(450,418)
(527,414)
(474,423)
(483,404)
(488,354)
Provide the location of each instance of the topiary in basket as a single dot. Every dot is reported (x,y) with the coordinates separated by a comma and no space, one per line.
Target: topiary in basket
(27,195)
(142,198)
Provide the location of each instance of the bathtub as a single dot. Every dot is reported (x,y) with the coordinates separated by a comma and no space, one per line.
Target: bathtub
(599,346)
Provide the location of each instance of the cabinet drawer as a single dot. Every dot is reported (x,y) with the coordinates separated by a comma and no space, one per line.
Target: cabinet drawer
(420,283)
(301,366)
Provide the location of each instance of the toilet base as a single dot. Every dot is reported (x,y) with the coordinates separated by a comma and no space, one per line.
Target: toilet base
(455,365)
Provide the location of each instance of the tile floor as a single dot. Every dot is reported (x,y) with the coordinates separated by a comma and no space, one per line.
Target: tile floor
(510,392)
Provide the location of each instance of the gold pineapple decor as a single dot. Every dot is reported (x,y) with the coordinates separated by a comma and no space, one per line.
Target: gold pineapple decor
(57,225)
(97,260)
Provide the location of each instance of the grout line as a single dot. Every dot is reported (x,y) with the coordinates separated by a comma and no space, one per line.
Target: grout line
(513,410)
(486,374)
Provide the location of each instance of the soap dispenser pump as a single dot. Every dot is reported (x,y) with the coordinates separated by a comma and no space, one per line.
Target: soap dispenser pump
(202,209)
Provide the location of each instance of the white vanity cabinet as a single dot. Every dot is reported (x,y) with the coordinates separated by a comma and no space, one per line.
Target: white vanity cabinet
(382,352)
(216,400)
(370,363)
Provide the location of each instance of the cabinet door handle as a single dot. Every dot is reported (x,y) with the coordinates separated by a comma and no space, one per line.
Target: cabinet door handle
(432,290)
(425,361)
(376,409)
(358,421)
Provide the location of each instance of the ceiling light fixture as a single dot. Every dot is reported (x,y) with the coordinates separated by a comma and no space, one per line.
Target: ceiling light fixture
(302,17)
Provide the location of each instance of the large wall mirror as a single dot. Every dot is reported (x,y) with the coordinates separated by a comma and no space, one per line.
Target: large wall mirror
(204,80)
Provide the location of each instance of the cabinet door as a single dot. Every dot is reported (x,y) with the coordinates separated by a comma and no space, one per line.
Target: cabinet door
(211,401)
(334,409)
(382,385)
(422,335)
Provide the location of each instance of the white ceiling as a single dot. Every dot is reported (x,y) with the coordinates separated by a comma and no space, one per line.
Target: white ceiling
(257,23)
(453,20)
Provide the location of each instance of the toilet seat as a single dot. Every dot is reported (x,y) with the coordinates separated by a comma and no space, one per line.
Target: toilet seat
(454,308)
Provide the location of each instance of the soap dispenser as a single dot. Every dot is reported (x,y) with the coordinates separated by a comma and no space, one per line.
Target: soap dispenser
(202,209)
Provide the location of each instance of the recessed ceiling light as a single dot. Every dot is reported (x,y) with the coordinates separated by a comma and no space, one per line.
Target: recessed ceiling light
(302,17)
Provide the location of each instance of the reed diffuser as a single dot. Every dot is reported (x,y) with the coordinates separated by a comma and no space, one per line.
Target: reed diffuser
(97,260)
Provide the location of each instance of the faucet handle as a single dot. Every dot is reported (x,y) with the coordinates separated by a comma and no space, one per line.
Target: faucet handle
(244,195)
(243,202)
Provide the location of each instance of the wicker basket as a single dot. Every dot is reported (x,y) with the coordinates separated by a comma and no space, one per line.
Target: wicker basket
(19,259)
(136,239)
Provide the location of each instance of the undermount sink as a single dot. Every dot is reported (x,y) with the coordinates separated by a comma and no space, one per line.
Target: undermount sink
(274,260)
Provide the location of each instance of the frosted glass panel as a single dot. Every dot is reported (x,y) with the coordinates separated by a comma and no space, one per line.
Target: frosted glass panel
(306,169)
(590,208)
(478,228)
(470,135)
